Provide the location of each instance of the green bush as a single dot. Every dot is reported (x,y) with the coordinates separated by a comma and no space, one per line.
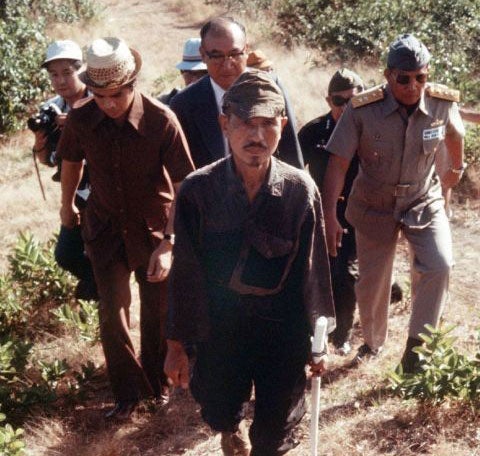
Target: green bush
(443,372)
(350,30)
(472,145)
(33,285)
(22,46)
(11,443)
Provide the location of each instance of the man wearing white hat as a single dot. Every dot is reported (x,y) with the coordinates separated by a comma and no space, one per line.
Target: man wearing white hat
(191,67)
(63,63)
(137,155)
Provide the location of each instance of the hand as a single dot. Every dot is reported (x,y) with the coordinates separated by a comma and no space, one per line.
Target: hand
(160,262)
(69,216)
(334,234)
(61,119)
(450,179)
(176,364)
(40,148)
(318,369)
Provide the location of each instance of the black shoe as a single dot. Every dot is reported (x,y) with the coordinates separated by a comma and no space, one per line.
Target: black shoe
(364,353)
(410,360)
(122,410)
(86,290)
(396,293)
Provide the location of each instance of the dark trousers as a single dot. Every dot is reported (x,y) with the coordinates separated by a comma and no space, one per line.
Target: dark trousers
(70,254)
(344,273)
(245,350)
(131,378)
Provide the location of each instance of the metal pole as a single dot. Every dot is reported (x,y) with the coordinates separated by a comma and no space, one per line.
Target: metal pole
(318,350)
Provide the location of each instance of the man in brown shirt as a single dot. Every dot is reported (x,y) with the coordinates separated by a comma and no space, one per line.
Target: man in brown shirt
(137,155)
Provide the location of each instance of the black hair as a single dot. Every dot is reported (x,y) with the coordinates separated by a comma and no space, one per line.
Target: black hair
(216,26)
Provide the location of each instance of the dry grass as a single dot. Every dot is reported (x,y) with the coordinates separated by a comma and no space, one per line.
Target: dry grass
(358,417)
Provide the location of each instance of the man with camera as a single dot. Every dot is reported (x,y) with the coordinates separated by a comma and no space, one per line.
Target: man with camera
(63,63)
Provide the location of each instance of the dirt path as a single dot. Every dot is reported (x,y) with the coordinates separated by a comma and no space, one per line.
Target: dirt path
(158,31)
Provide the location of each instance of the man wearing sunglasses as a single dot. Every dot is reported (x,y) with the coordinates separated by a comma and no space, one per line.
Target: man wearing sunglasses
(313,138)
(224,50)
(396,130)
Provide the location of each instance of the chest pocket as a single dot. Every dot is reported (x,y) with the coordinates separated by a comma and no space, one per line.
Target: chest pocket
(432,138)
(267,261)
(377,157)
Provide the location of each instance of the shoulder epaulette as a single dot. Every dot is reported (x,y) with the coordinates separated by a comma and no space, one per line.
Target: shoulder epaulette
(443,92)
(367,97)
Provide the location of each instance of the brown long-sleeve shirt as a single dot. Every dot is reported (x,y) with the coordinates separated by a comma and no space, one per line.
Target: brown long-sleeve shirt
(131,169)
(269,255)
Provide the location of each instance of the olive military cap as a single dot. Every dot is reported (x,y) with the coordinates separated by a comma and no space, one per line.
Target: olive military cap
(254,94)
(344,79)
(407,53)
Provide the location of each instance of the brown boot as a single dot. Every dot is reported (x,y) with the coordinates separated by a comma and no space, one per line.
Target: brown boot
(236,443)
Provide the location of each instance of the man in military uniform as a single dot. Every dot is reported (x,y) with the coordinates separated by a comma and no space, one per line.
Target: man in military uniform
(313,138)
(396,130)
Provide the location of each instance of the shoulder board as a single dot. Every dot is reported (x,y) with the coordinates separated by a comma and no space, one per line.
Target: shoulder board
(443,92)
(367,97)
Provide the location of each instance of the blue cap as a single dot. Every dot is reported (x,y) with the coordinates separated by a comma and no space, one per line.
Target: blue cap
(407,53)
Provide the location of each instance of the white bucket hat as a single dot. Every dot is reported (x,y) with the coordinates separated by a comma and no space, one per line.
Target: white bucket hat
(111,64)
(63,49)
(192,59)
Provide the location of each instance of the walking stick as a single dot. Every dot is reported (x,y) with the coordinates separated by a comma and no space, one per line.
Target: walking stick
(318,350)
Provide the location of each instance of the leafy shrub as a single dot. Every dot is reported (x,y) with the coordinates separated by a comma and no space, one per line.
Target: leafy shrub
(22,45)
(11,443)
(346,29)
(443,372)
(34,284)
(84,320)
(472,145)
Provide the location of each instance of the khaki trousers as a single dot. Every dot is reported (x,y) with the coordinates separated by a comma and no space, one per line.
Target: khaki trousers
(431,248)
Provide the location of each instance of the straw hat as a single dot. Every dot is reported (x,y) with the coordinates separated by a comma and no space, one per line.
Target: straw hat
(192,59)
(62,50)
(258,59)
(111,64)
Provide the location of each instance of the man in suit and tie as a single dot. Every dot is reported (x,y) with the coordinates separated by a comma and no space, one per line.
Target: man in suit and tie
(224,50)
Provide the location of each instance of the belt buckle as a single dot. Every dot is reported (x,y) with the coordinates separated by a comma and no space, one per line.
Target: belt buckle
(401,189)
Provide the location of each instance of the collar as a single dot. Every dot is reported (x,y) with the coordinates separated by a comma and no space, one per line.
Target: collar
(218,92)
(391,104)
(273,184)
(135,116)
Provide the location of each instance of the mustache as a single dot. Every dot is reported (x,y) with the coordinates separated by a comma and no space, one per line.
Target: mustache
(260,145)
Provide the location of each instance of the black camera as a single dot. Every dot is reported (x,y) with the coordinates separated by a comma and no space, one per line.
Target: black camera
(44,121)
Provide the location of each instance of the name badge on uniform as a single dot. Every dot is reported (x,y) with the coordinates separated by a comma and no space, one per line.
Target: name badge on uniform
(434,133)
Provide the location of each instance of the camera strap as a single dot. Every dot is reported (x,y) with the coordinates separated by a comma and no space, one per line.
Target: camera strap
(40,183)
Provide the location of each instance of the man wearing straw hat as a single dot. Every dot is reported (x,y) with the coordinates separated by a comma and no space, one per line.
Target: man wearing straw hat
(137,155)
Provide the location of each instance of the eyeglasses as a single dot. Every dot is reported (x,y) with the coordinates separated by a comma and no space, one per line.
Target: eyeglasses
(338,100)
(404,79)
(219,59)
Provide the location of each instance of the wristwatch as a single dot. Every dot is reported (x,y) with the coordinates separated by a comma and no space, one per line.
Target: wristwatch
(459,170)
(170,238)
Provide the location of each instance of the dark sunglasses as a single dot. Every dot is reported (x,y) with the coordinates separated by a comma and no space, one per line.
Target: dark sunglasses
(404,79)
(338,100)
